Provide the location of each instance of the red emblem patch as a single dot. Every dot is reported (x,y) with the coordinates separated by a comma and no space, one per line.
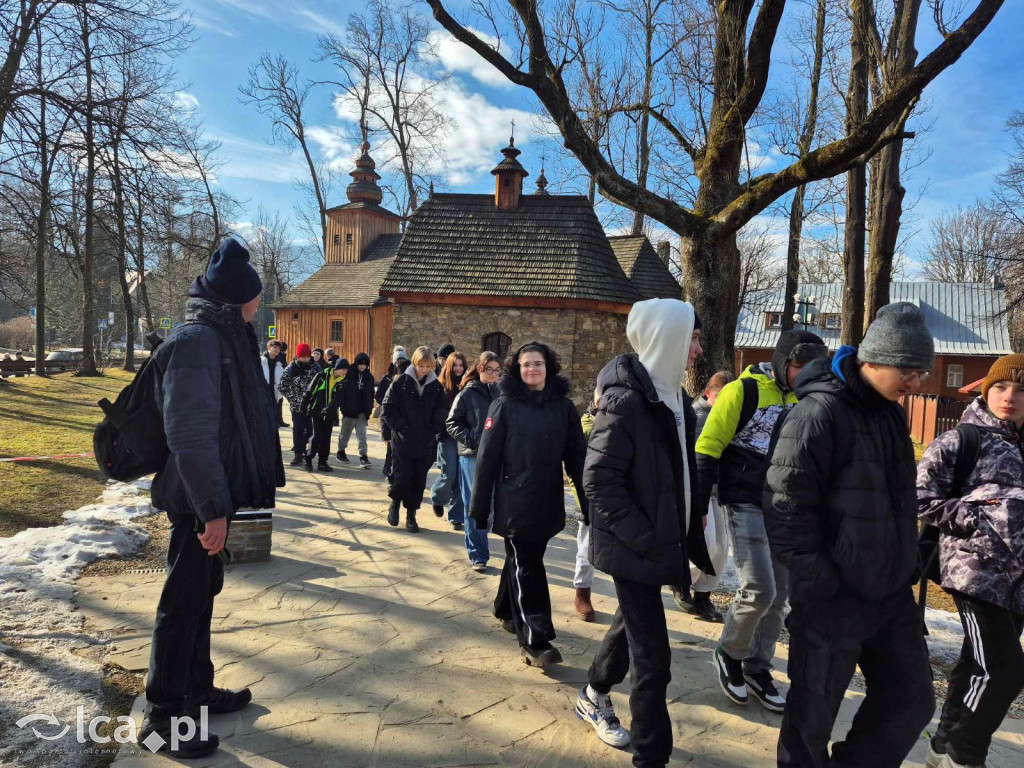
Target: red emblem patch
(489,423)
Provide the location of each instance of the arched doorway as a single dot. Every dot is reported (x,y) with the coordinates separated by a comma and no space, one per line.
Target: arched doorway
(498,343)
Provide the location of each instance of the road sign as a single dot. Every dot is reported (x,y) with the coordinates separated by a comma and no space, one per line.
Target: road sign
(103,325)
(272,331)
(165,322)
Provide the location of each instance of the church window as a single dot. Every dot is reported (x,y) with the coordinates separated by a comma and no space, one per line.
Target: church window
(337,239)
(348,238)
(337,331)
(498,343)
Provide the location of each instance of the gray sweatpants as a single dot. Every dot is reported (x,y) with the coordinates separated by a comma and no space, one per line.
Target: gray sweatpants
(347,422)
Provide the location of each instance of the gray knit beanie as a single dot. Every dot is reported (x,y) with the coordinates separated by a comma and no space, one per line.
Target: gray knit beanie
(898,337)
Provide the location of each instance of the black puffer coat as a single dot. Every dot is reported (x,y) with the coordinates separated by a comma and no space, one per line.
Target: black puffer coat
(468,413)
(357,394)
(414,416)
(634,482)
(528,436)
(840,504)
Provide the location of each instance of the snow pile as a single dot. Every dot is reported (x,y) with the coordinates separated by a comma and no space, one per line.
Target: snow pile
(40,628)
(945,635)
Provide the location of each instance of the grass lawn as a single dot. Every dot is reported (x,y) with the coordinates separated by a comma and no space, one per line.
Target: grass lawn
(48,417)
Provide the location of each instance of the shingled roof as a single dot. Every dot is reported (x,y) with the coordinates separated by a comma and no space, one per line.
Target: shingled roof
(550,246)
(642,266)
(346,285)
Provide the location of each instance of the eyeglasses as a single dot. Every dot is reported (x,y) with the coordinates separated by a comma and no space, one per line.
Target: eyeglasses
(492,370)
(907,376)
(528,366)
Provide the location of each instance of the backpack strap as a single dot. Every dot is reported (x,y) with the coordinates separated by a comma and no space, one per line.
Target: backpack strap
(750,400)
(966,456)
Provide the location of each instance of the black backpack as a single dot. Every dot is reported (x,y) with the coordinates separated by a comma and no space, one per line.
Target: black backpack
(928,539)
(130,443)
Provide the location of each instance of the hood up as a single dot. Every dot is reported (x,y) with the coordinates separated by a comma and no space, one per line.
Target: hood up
(660,330)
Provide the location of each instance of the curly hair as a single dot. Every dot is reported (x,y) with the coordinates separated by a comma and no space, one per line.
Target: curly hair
(552,363)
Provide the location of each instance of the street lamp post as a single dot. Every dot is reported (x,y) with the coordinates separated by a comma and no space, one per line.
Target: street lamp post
(805,306)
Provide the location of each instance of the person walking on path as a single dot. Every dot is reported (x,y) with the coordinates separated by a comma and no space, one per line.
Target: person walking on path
(716,534)
(382,386)
(414,410)
(273,369)
(330,356)
(224,454)
(531,431)
(322,402)
(295,381)
(583,572)
(319,359)
(400,366)
(356,405)
(644,526)
(734,456)
(840,508)
(981,560)
(447,490)
(466,425)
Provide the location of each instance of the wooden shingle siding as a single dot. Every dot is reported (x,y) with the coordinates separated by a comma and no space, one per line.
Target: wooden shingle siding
(644,268)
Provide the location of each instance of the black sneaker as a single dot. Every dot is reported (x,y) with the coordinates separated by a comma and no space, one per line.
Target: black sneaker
(155,735)
(762,686)
(730,677)
(410,521)
(221,701)
(323,466)
(681,597)
(458,526)
(309,461)
(508,626)
(364,462)
(439,510)
(296,461)
(702,607)
(342,457)
(393,513)
(541,656)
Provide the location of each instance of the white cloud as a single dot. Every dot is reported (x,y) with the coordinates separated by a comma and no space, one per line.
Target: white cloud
(184,101)
(335,146)
(456,57)
(316,22)
(247,159)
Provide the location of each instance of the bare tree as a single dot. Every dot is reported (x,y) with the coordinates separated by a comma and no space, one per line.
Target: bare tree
(969,245)
(761,269)
(383,62)
(538,57)
(278,91)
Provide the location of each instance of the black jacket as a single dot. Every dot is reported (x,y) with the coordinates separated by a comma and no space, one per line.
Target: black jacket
(218,413)
(415,418)
(357,394)
(527,438)
(634,482)
(840,504)
(467,415)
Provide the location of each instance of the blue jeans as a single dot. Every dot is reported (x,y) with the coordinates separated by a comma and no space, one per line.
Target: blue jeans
(445,490)
(476,540)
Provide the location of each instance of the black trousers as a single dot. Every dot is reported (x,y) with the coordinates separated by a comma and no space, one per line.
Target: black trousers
(387,461)
(639,632)
(523,592)
(322,429)
(408,478)
(280,414)
(302,428)
(180,668)
(828,639)
(986,679)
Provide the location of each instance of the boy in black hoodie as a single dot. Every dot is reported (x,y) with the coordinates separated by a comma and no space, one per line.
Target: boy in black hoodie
(356,406)
(840,507)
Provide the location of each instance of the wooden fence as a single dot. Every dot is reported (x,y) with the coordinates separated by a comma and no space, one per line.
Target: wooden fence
(930,415)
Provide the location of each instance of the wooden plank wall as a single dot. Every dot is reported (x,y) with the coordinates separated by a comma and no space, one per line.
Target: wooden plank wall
(381,321)
(314,328)
(364,227)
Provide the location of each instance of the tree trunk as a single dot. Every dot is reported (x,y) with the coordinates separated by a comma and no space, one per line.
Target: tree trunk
(122,255)
(42,220)
(711,261)
(887,200)
(856,184)
(88,367)
(796,228)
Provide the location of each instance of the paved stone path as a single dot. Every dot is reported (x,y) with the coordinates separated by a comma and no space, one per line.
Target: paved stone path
(367,646)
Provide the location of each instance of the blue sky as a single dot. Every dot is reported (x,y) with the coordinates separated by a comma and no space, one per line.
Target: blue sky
(966,145)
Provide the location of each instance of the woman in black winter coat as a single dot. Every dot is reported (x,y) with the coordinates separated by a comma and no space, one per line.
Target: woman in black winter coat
(414,410)
(531,431)
(466,425)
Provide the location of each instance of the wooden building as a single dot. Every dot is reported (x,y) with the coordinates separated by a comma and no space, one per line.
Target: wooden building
(482,271)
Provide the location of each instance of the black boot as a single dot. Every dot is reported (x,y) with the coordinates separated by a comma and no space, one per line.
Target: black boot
(410,521)
(297,460)
(393,513)
(439,510)
(155,735)
(309,461)
(221,701)
(323,466)
(704,609)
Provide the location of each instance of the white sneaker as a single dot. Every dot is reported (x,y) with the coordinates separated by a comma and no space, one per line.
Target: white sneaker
(934,759)
(949,762)
(601,715)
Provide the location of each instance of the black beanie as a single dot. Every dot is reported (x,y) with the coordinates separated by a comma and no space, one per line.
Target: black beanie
(341,364)
(445,350)
(231,275)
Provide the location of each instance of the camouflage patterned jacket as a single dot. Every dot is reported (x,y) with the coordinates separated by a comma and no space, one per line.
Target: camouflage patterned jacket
(982,543)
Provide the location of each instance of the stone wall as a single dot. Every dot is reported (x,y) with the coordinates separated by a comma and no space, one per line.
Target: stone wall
(584,340)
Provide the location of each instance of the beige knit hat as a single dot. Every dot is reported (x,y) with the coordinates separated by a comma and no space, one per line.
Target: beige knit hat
(1008,368)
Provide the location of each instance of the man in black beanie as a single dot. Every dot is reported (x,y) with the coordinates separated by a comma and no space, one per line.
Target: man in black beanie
(442,355)
(732,451)
(840,506)
(225,454)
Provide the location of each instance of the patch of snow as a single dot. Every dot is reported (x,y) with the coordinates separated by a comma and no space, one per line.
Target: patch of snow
(945,634)
(42,674)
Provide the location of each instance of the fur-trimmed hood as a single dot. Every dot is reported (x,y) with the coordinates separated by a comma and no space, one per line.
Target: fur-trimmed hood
(513,387)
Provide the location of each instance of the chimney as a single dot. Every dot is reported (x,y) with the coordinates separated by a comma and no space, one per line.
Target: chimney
(665,251)
(509,175)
